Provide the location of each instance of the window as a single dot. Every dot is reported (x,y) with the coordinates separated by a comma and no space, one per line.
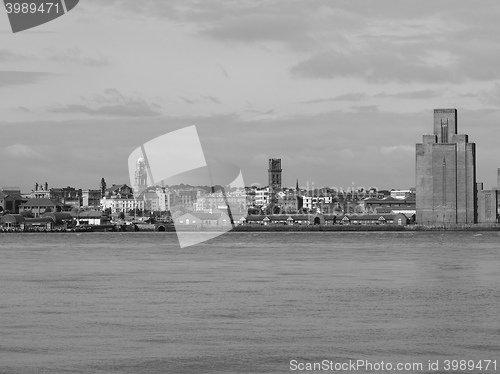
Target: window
(487,200)
(444,131)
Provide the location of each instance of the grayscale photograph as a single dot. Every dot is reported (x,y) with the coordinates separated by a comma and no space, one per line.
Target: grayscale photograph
(254,187)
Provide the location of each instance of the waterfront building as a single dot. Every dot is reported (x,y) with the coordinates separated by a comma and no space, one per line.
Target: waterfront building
(91,199)
(151,201)
(278,219)
(66,195)
(236,200)
(187,198)
(122,205)
(399,219)
(446,174)
(120,199)
(262,196)
(41,191)
(121,191)
(12,221)
(11,199)
(46,221)
(488,203)
(290,219)
(164,199)
(90,217)
(250,195)
(289,201)
(53,220)
(403,194)
(314,201)
(199,219)
(389,205)
(37,207)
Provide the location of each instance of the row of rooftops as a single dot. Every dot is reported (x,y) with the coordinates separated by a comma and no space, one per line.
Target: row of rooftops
(300,217)
(126,190)
(390,199)
(43,202)
(55,217)
(341,217)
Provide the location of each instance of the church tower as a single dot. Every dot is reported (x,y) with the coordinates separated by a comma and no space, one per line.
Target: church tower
(274,173)
(141,176)
(446,174)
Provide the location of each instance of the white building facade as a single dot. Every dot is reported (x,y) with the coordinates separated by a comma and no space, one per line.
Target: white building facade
(118,205)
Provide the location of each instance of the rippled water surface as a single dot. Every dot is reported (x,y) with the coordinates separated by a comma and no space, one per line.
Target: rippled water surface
(245,302)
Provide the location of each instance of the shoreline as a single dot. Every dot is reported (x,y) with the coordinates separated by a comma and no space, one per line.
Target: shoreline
(290,228)
(388,228)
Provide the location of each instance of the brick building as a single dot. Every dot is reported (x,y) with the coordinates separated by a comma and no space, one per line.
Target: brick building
(446,174)
(488,203)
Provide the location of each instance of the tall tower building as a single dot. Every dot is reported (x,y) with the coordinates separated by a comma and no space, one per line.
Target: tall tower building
(141,176)
(446,174)
(274,173)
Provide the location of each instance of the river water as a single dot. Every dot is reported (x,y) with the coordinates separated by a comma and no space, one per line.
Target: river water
(248,302)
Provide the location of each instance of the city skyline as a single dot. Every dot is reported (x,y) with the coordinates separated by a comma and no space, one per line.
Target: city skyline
(340,92)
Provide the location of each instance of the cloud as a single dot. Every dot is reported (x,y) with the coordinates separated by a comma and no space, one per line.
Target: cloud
(201,99)
(75,56)
(361,96)
(294,23)
(189,101)
(115,104)
(489,95)
(264,112)
(251,28)
(157,8)
(21,151)
(6,55)
(213,99)
(408,149)
(14,78)
(421,94)
(132,109)
(365,108)
(373,66)
(223,70)
(356,96)
(433,47)
(345,154)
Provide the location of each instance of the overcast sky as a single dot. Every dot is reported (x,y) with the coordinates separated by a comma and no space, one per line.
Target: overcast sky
(339,90)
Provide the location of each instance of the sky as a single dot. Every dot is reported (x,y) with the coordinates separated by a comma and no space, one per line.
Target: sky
(341,91)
